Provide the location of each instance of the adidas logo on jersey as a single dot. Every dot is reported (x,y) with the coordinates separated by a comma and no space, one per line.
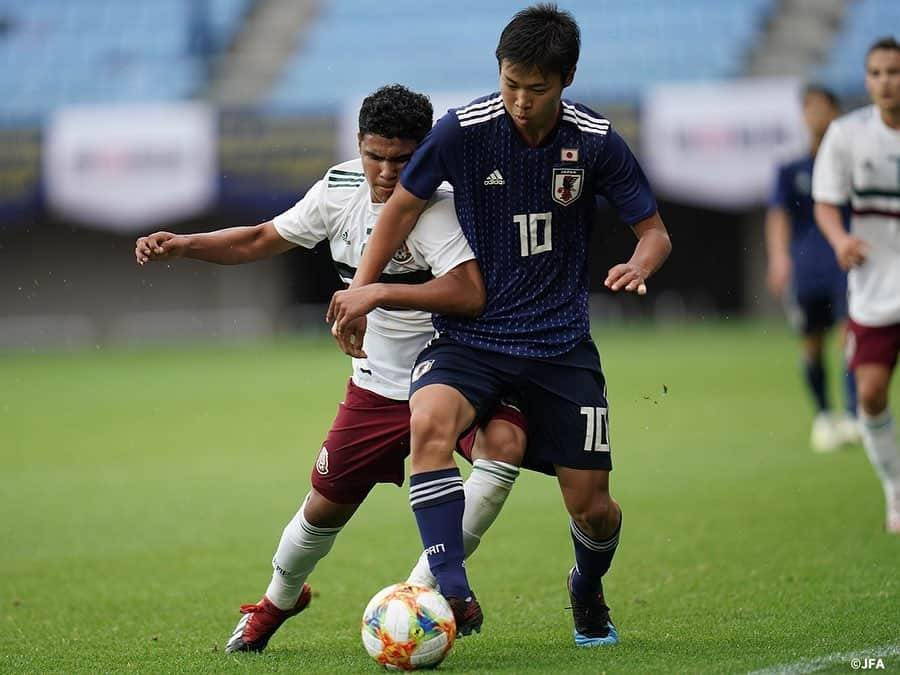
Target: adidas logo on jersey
(495,178)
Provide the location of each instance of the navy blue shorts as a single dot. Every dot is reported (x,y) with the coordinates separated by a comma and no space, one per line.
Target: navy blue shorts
(812,311)
(563,397)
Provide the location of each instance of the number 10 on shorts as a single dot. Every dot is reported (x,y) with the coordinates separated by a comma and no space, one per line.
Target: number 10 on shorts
(596,436)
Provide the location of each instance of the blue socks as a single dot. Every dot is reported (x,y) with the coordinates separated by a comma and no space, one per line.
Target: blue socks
(592,560)
(814,372)
(438,500)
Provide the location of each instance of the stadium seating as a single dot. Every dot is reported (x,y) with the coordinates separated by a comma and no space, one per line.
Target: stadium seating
(54,52)
(626,46)
(865,21)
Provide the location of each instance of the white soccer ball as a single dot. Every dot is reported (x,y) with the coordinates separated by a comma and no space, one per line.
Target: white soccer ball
(406,627)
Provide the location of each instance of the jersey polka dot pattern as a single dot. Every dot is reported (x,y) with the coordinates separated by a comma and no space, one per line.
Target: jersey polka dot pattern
(527,213)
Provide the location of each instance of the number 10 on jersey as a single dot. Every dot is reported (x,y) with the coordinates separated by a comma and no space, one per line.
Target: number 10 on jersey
(596,436)
(534,233)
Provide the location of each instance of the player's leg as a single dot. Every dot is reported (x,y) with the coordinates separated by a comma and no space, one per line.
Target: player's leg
(816,312)
(366,444)
(305,540)
(438,415)
(874,359)
(450,385)
(846,423)
(565,404)
(596,521)
(495,452)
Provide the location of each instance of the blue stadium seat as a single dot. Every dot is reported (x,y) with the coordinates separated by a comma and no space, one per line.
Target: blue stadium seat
(57,52)
(626,46)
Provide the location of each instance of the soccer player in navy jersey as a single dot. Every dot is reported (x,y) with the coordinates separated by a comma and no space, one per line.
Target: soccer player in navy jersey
(526,166)
(803,270)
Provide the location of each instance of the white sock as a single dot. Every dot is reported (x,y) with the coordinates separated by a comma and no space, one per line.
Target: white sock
(880,442)
(486,491)
(302,545)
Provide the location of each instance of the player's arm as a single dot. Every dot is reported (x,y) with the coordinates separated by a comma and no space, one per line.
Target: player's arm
(460,291)
(395,222)
(651,251)
(778,242)
(231,246)
(848,249)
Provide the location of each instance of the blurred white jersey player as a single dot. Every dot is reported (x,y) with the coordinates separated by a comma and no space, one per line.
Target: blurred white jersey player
(859,163)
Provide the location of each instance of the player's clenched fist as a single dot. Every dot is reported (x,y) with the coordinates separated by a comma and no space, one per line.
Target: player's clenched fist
(159,245)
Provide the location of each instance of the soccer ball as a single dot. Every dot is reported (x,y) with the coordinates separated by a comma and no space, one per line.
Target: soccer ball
(406,627)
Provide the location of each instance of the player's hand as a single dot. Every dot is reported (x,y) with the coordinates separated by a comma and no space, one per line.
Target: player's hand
(626,277)
(778,275)
(851,251)
(350,336)
(351,304)
(158,246)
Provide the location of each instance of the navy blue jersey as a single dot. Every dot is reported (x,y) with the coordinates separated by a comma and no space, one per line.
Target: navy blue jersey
(815,265)
(527,214)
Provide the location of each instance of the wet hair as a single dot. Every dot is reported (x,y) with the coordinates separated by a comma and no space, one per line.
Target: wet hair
(396,112)
(883,43)
(543,37)
(824,92)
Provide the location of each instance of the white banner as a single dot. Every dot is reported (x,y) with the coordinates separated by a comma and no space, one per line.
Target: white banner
(718,144)
(131,167)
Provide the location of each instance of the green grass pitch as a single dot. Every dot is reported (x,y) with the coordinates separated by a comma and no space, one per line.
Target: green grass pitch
(143,493)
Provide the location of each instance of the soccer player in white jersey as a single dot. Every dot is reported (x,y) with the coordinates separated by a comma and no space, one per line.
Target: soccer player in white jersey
(859,162)
(369,439)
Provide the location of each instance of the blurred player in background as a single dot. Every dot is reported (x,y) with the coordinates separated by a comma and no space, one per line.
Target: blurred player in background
(859,162)
(526,167)
(369,439)
(804,272)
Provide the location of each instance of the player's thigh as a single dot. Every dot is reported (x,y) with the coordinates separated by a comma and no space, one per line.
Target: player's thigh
(503,438)
(475,375)
(439,410)
(367,444)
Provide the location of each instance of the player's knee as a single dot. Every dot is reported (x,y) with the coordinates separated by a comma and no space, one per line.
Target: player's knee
(430,428)
(594,516)
(872,397)
(501,442)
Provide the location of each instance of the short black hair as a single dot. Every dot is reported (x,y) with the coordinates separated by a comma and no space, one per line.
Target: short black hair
(888,42)
(543,37)
(396,112)
(816,89)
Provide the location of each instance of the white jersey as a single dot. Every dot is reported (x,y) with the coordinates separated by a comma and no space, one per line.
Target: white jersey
(339,208)
(859,162)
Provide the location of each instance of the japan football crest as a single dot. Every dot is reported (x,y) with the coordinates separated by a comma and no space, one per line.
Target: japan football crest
(567,185)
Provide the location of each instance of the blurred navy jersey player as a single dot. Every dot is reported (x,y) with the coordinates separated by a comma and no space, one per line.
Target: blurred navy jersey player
(804,272)
(526,167)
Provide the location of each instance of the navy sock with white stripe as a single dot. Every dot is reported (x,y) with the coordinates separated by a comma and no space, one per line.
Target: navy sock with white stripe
(437,499)
(592,560)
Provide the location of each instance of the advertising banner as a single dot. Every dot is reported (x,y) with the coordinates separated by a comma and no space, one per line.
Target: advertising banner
(130,167)
(717,144)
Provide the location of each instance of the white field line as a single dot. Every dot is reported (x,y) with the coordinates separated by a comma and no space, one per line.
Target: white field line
(816,664)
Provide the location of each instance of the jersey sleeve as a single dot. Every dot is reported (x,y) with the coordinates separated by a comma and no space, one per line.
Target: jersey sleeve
(831,180)
(304,223)
(437,238)
(780,195)
(622,182)
(433,161)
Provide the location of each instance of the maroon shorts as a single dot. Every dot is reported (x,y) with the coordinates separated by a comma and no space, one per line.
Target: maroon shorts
(872,344)
(368,443)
